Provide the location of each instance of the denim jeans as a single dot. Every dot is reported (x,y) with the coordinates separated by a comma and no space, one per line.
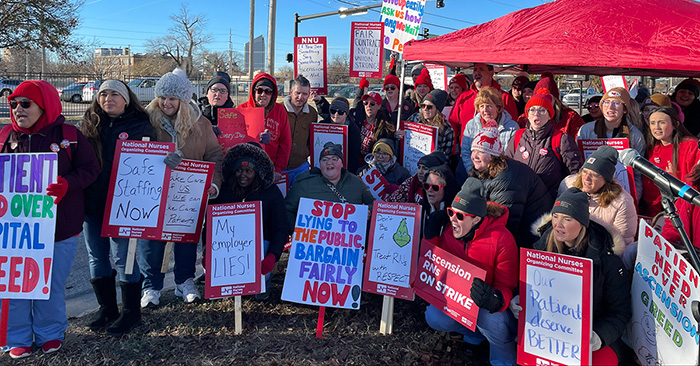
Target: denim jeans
(499,329)
(294,173)
(99,247)
(152,252)
(41,321)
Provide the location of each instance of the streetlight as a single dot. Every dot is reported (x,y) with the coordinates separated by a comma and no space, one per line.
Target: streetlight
(342,12)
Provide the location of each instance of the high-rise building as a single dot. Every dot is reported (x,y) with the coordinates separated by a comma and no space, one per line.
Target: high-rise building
(258,54)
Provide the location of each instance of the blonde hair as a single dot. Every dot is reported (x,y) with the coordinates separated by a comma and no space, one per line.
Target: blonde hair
(488,95)
(438,120)
(183,123)
(556,246)
(608,192)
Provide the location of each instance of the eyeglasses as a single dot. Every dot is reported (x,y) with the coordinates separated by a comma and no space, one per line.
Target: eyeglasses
(537,111)
(427,107)
(366,102)
(460,216)
(612,103)
(593,105)
(24,103)
(434,187)
(220,91)
(261,91)
(338,111)
(390,87)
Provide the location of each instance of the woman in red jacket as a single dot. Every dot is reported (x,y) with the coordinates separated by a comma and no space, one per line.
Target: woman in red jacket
(670,147)
(479,236)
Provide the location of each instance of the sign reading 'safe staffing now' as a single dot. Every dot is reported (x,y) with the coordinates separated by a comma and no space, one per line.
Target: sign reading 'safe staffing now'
(27,225)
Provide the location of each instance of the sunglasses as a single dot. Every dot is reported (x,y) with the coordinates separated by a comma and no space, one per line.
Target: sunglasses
(338,111)
(219,91)
(596,105)
(24,103)
(435,187)
(390,87)
(427,107)
(460,216)
(366,102)
(261,91)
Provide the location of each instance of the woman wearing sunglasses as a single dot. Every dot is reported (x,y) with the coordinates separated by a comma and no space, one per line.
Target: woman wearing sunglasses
(570,230)
(115,114)
(430,114)
(341,114)
(391,100)
(439,188)
(478,235)
(593,108)
(384,160)
(38,126)
(615,124)
(411,190)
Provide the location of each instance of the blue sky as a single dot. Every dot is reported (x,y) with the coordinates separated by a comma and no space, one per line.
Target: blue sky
(131,22)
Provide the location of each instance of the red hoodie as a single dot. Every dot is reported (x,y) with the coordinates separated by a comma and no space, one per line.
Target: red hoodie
(280,146)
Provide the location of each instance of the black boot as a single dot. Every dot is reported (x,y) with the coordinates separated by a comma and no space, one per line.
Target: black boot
(106,295)
(131,309)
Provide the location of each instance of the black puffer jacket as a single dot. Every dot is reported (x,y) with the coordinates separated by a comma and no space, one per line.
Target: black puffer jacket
(522,191)
(274,212)
(136,125)
(210,112)
(612,304)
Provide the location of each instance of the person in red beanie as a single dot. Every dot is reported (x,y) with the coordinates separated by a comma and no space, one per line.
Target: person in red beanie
(457,85)
(564,118)
(547,151)
(38,126)
(423,86)
(391,100)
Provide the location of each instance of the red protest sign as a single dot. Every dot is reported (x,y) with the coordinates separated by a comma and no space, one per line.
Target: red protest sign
(392,252)
(377,184)
(321,133)
(366,49)
(444,280)
(187,201)
(624,175)
(234,249)
(420,140)
(283,184)
(310,61)
(556,321)
(138,190)
(239,125)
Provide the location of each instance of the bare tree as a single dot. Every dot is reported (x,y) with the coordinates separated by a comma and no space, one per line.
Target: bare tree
(186,36)
(339,69)
(211,61)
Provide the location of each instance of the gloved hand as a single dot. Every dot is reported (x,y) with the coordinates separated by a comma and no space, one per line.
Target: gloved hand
(515,307)
(173,159)
(58,189)
(265,137)
(434,224)
(217,130)
(485,296)
(268,264)
(364,84)
(596,342)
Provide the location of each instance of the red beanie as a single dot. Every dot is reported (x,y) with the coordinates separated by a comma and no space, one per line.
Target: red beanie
(460,79)
(45,96)
(548,83)
(424,78)
(28,90)
(542,98)
(392,80)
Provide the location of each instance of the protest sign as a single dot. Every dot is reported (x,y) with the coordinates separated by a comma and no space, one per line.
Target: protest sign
(662,330)
(556,321)
(377,184)
(613,81)
(420,140)
(444,280)
(401,22)
(366,49)
(138,189)
(438,76)
(624,175)
(187,201)
(239,125)
(321,133)
(234,249)
(310,61)
(325,261)
(283,184)
(27,225)
(392,251)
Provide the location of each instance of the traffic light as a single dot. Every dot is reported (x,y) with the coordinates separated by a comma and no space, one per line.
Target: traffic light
(439,4)
(290,57)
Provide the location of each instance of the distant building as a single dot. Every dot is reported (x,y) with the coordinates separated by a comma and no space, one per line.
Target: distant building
(258,54)
(120,63)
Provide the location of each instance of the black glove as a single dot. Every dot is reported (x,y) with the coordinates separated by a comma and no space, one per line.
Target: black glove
(217,130)
(485,296)
(434,223)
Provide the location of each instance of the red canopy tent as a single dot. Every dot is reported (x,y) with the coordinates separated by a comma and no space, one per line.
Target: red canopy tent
(613,37)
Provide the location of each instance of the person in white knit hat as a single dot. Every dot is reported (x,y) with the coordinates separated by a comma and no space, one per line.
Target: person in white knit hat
(176,118)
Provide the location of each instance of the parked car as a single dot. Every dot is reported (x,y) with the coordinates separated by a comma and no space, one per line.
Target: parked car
(73,92)
(90,90)
(144,88)
(574,95)
(7,86)
(348,92)
(378,89)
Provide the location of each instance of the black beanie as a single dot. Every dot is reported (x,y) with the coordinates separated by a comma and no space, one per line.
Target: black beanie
(689,84)
(470,199)
(245,161)
(433,159)
(573,202)
(220,77)
(437,97)
(331,149)
(603,162)
(264,82)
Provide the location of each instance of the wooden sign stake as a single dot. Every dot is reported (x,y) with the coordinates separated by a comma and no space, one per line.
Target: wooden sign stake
(130,256)
(238,318)
(387,322)
(166,257)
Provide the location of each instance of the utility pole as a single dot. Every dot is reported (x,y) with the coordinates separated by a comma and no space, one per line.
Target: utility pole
(230,53)
(250,40)
(271,38)
(43,60)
